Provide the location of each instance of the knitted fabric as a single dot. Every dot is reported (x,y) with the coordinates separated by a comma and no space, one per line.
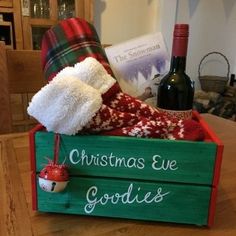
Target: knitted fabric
(145,128)
(110,119)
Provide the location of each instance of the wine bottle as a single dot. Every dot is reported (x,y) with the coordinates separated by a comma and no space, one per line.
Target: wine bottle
(176,89)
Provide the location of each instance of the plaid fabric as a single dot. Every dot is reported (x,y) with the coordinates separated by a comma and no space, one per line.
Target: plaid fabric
(69,42)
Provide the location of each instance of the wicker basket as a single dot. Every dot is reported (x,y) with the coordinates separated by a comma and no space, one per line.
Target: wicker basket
(213,83)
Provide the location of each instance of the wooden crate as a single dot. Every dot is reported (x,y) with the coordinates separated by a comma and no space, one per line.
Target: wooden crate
(134,178)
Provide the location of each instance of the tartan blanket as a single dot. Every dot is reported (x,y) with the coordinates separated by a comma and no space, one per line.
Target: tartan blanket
(69,42)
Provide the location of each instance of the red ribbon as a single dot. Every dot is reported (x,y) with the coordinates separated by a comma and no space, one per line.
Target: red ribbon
(56,148)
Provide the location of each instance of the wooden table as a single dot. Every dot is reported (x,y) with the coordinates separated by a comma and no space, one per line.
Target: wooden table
(17,218)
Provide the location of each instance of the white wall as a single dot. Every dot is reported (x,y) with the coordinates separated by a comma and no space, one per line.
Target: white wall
(212,27)
(120,20)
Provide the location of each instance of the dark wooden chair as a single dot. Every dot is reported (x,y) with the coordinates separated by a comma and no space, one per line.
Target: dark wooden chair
(21,77)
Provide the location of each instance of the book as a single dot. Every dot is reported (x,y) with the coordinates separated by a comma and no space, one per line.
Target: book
(139,64)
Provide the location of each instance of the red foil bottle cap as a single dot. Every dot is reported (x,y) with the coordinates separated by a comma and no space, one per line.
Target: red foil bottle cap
(181,30)
(180,40)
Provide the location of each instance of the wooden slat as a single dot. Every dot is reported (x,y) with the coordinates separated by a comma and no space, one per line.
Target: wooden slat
(42,22)
(79,6)
(15,205)
(24,71)
(53,11)
(27,33)
(122,157)
(29,122)
(220,148)
(21,121)
(88,10)
(6,3)
(21,76)
(130,199)
(5,117)
(18,24)
(16,107)
(6,10)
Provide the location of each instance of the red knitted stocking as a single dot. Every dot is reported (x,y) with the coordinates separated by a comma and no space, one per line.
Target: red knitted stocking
(126,103)
(110,119)
(145,128)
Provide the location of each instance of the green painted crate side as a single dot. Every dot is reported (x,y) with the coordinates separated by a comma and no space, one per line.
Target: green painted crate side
(179,203)
(195,160)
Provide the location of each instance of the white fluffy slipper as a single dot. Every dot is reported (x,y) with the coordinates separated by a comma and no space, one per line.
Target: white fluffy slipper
(65,105)
(93,73)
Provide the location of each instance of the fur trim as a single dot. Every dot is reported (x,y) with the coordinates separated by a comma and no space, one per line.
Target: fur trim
(93,73)
(66,72)
(65,105)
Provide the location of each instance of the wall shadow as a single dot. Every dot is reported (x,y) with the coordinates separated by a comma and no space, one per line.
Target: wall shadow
(99,8)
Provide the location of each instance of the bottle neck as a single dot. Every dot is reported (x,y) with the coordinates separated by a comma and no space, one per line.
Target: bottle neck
(178,64)
(179,51)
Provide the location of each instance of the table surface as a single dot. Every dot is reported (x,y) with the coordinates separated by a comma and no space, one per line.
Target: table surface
(18,218)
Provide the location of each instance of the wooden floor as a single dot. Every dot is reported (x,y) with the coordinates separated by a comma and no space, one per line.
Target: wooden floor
(17,218)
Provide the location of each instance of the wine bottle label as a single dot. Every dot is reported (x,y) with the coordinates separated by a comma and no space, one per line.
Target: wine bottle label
(181,115)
